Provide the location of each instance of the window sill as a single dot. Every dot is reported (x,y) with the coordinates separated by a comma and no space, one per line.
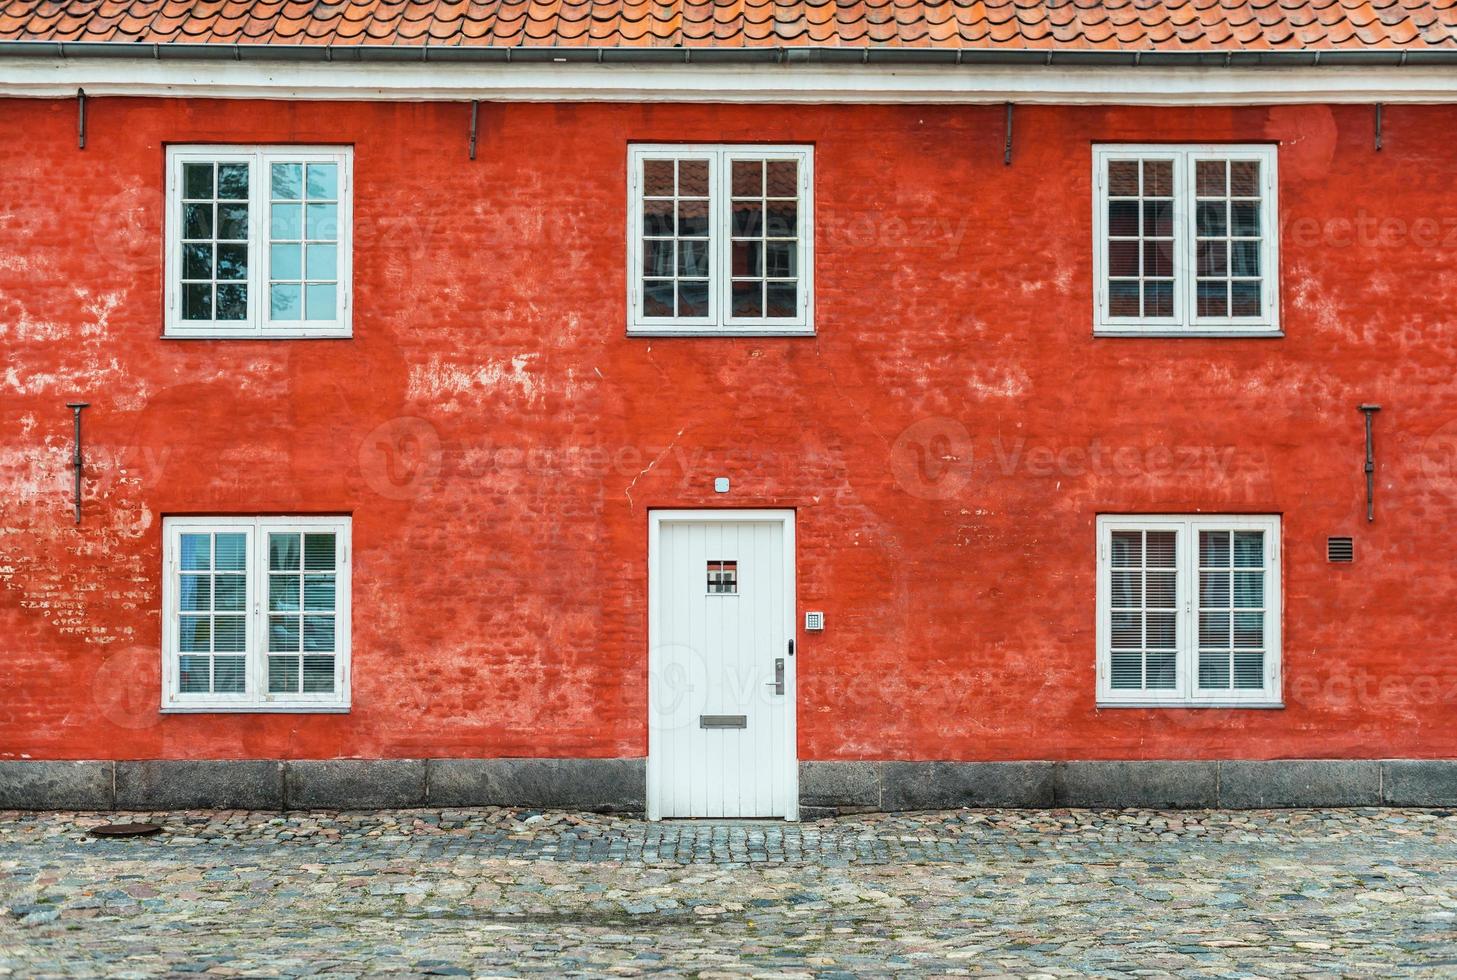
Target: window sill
(257,709)
(1261,705)
(1201,334)
(719,332)
(270,335)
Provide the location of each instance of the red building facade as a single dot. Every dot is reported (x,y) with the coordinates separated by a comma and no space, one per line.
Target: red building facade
(947,435)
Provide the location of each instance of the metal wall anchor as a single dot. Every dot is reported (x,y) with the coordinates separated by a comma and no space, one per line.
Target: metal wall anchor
(1369,411)
(75,408)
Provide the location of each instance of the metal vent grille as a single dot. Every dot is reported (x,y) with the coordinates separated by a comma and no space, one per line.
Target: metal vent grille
(1341,550)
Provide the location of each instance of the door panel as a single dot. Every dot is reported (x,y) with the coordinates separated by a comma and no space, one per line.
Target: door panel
(721,739)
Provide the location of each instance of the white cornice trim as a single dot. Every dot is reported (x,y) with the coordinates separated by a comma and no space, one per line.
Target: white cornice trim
(797,83)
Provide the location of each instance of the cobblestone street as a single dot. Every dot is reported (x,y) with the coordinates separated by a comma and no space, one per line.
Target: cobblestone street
(510,893)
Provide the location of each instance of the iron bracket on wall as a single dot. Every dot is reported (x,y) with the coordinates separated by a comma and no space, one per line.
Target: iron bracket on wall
(1369,411)
(80,119)
(475,111)
(1380,111)
(1007,146)
(75,408)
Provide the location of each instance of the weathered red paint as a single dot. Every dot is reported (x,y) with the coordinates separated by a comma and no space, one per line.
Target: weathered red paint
(498,439)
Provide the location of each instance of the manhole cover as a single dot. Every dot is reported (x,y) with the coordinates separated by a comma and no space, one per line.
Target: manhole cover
(126,829)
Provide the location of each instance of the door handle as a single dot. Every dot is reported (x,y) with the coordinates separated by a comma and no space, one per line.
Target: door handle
(778,682)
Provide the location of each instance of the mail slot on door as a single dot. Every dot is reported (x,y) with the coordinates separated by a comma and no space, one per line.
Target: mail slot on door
(723,721)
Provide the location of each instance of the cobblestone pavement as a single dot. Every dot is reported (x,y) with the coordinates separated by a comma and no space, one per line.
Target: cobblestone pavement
(493,892)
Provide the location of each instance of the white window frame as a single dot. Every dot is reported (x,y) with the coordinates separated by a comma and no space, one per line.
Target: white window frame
(255,697)
(1184,322)
(1186,693)
(720,322)
(258,324)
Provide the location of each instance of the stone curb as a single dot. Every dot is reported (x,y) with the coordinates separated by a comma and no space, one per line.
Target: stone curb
(618,785)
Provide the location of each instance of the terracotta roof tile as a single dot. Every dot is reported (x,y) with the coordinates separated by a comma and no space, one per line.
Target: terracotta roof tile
(1071,24)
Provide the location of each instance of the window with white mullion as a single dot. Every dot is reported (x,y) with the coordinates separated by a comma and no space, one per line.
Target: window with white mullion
(303,239)
(257,613)
(1188,610)
(1144,622)
(214,204)
(302,579)
(764,237)
(1228,224)
(720,238)
(1186,240)
(1232,627)
(1141,216)
(677,240)
(258,241)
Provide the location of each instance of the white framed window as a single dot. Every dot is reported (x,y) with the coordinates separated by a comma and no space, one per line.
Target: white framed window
(721,240)
(1188,610)
(258,241)
(1186,240)
(255,614)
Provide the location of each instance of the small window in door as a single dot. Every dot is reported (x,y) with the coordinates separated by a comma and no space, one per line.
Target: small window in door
(723,578)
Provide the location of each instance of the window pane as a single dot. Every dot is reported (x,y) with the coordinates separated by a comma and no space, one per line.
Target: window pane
(233,222)
(196,552)
(195,593)
(232,262)
(285,262)
(232,552)
(319,633)
(288,181)
(1249,669)
(1123,298)
(1214,549)
(283,634)
(197,261)
(1213,298)
(1162,589)
(197,220)
(194,675)
(283,675)
(1162,671)
(693,218)
(693,298)
(782,299)
(322,221)
(1158,299)
(285,222)
(1249,629)
(748,178)
(1209,178)
(230,675)
(197,302)
(693,178)
(197,181)
(1214,589)
(323,182)
(283,552)
(319,301)
(657,297)
(285,302)
(1214,669)
(1161,549)
(318,675)
(1158,178)
(319,552)
(230,593)
(1127,549)
(232,182)
(194,634)
(658,178)
(657,218)
(693,258)
(748,298)
(232,301)
(229,633)
(1249,549)
(781,178)
(1122,178)
(319,592)
(283,593)
(1249,590)
(323,262)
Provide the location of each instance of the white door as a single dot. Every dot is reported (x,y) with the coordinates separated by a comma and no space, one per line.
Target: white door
(721,616)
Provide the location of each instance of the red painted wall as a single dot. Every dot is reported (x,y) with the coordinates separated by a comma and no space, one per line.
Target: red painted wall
(498,439)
